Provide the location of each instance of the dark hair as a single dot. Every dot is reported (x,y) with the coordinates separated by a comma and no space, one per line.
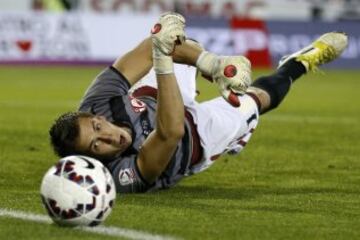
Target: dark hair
(65,131)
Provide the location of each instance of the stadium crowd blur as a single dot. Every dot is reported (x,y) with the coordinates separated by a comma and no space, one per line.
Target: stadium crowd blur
(264,9)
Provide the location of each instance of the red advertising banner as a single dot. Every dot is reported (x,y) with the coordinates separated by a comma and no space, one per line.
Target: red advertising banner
(252,40)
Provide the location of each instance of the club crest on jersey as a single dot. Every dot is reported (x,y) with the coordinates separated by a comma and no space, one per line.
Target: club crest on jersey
(126,176)
(138,105)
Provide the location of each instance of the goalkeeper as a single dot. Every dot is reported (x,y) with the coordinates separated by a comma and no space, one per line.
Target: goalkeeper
(152,137)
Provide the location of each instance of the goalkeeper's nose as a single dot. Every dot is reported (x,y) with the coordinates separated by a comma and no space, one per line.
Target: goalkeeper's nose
(108,139)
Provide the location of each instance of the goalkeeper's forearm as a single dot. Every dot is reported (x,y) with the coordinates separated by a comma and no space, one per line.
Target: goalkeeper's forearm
(135,64)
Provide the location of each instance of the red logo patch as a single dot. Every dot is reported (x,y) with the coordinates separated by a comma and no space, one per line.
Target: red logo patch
(138,106)
(234,99)
(156,28)
(230,71)
(24,45)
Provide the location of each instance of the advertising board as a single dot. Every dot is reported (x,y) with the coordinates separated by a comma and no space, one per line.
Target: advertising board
(33,37)
(288,37)
(44,37)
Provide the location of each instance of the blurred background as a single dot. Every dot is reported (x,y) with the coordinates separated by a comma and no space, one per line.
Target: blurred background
(97,31)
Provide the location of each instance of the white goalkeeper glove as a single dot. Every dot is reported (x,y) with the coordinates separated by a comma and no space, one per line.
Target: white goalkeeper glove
(232,74)
(166,34)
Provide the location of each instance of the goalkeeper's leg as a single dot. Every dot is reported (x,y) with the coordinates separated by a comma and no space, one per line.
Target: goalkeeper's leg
(272,89)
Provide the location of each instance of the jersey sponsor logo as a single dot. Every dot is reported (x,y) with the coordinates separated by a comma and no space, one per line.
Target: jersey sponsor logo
(146,127)
(156,28)
(138,105)
(127,176)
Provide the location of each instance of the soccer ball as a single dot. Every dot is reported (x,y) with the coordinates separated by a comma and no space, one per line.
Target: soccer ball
(78,191)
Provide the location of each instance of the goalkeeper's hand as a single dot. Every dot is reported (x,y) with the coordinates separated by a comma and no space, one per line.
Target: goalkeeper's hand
(168,32)
(233,77)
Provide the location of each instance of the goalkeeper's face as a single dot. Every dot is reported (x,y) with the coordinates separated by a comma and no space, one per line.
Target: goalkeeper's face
(100,138)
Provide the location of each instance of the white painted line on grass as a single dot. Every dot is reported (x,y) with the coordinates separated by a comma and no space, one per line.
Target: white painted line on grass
(109,231)
(25,216)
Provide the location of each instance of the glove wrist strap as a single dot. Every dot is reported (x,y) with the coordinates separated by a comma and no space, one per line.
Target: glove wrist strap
(207,63)
(162,63)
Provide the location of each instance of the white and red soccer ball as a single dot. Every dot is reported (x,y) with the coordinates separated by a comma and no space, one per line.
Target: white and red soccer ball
(78,191)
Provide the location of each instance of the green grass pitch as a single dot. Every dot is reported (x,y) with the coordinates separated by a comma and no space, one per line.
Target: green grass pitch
(298,178)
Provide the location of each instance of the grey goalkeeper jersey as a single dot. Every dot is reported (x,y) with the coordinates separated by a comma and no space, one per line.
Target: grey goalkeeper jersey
(108,96)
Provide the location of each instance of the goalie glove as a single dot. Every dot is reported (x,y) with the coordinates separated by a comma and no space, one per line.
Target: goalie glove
(166,34)
(232,74)
(233,77)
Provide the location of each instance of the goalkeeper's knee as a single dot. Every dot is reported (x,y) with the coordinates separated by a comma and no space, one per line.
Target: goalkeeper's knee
(278,84)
